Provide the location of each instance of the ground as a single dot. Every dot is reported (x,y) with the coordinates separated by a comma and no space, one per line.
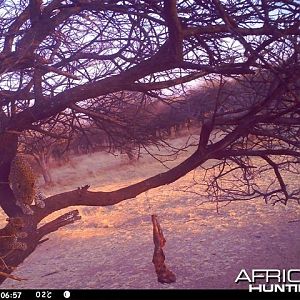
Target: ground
(112,247)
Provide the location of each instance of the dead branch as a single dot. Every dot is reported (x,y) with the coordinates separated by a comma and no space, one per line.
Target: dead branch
(10,276)
(59,222)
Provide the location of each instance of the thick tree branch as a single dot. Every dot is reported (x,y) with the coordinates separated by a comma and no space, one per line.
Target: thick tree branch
(144,87)
(247,152)
(84,197)
(202,154)
(174,28)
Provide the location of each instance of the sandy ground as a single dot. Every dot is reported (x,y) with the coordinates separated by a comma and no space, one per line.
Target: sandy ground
(112,247)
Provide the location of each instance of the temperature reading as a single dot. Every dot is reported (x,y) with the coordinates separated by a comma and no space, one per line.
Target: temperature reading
(43,295)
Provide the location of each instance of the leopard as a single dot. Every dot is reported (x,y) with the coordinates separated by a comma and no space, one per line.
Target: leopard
(23,183)
(10,234)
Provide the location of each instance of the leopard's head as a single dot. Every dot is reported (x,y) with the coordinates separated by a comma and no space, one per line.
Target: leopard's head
(17,222)
(24,191)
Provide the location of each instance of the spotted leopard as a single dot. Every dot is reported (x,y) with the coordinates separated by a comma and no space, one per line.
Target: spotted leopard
(9,236)
(23,184)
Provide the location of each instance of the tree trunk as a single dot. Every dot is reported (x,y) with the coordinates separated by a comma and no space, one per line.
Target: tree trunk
(46,173)
(43,163)
(35,237)
(8,149)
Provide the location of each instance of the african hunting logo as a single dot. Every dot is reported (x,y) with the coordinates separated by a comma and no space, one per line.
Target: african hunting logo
(271,280)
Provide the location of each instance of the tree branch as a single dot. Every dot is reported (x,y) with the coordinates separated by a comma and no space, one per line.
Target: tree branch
(59,222)
(84,197)
(247,152)
(278,175)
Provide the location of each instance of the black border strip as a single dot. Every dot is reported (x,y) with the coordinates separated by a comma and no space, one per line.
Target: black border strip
(141,294)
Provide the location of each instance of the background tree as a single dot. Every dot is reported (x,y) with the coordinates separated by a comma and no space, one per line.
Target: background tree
(62,62)
(42,147)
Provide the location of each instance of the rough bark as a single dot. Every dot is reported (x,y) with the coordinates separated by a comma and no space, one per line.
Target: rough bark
(8,149)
